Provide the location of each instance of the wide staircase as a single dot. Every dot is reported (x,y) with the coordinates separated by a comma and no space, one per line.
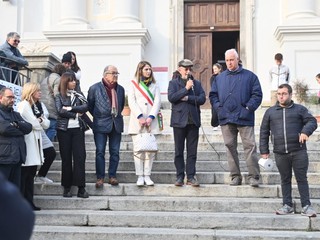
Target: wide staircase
(215,210)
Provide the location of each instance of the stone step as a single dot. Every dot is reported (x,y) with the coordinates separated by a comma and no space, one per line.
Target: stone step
(206,135)
(131,233)
(159,203)
(204,177)
(169,190)
(164,165)
(177,220)
(202,146)
(168,156)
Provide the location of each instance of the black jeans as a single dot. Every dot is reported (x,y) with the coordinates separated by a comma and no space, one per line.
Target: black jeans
(190,134)
(27,182)
(49,155)
(73,157)
(299,162)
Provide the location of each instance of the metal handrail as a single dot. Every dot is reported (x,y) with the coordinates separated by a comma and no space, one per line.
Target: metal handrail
(11,75)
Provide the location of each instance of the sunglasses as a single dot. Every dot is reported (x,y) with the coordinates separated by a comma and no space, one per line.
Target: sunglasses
(16,41)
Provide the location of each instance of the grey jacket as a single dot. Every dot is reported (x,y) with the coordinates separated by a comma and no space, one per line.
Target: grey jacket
(49,89)
(13,53)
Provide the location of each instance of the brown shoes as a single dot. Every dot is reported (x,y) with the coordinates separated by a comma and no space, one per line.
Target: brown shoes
(99,183)
(113,181)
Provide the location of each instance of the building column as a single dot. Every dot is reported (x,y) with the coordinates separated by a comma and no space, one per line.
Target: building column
(73,14)
(127,12)
(300,9)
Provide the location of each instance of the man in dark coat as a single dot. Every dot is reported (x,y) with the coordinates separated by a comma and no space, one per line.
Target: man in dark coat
(12,131)
(186,96)
(290,126)
(235,95)
(106,101)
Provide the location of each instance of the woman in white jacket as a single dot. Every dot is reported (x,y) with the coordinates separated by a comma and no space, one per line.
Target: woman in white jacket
(144,101)
(32,111)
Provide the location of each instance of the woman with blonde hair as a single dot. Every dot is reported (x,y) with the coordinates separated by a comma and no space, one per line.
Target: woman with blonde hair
(32,111)
(144,101)
(71,105)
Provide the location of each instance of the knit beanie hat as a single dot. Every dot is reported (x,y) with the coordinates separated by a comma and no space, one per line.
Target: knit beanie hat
(66,57)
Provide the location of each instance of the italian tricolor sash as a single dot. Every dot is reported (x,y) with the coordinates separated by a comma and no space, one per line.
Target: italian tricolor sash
(150,98)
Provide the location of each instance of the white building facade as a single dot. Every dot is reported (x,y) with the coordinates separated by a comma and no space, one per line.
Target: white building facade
(123,32)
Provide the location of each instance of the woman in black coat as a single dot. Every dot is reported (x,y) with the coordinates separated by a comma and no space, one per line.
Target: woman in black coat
(71,105)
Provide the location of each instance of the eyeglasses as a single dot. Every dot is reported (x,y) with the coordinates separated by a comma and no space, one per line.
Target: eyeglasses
(188,68)
(16,41)
(115,74)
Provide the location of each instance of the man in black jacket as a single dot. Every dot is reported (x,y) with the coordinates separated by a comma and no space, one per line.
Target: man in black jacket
(290,126)
(12,131)
(186,95)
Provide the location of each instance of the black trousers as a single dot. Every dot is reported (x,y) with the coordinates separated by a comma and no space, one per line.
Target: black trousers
(73,156)
(190,135)
(12,172)
(27,182)
(49,155)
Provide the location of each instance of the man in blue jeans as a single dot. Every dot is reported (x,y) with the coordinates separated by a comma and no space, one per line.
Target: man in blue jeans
(290,126)
(106,101)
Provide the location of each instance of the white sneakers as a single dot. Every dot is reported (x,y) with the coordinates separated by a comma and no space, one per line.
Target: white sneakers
(145,179)
(140,181)
(148,181)
(43,180)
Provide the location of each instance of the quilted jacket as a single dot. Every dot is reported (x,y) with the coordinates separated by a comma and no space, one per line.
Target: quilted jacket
(100,108)
(285,126)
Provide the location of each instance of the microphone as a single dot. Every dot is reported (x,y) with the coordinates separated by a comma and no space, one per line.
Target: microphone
(190,77)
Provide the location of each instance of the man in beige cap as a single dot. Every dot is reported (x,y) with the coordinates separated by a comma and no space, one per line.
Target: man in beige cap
(186,95)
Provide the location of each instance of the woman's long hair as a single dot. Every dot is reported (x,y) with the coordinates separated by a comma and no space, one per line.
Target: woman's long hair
(74,67)
(64,80)
(138,75)
(28,90)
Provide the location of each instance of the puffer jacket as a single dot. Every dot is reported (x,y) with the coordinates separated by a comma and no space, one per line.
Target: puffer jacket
(12,144)
(64,115)
(100,108)
(235,95)
(285,126)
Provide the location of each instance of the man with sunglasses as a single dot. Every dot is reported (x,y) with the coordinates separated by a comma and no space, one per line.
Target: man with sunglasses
(186,95)
(11,52)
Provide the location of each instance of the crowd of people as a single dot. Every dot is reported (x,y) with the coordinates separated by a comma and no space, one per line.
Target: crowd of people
(60,112)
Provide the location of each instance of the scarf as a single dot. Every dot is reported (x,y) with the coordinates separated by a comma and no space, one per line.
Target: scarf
(111,91)
(37,109)
(146,81)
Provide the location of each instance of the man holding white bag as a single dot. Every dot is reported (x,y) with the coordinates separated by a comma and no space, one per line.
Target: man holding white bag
(290,126)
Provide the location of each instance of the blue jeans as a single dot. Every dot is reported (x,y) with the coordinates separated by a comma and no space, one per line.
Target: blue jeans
(51,131)
(100,140)
(299,162)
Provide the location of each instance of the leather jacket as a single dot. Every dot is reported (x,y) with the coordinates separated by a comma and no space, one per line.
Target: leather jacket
(64,115)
